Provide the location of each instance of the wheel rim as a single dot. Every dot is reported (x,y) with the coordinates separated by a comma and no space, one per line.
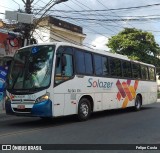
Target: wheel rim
(84,109)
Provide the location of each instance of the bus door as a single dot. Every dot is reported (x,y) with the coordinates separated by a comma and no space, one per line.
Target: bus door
(63,82)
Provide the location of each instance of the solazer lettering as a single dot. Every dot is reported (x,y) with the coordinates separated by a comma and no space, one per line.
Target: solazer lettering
(99,84)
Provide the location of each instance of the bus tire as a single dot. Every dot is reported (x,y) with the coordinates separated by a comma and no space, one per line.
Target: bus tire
(84,109)
(138,103)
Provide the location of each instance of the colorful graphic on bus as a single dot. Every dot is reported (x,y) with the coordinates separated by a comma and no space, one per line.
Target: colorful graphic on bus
(126,91)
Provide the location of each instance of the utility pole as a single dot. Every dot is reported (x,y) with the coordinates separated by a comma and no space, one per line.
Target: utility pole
(28,5)
(27,27)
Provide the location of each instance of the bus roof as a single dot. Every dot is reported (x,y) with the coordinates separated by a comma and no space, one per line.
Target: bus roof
(103,52)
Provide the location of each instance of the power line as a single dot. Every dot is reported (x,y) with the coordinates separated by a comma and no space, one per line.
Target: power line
(96,13)
(16,3)
(111,16)
(6,7)
(88,28)
(113,12)
(104,10)
(45,7)
(36,2)
(105,20)
(82,19)
(101,15)
(88,18)
(64,38)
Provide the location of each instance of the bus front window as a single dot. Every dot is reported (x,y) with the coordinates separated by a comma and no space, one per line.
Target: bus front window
(31,68)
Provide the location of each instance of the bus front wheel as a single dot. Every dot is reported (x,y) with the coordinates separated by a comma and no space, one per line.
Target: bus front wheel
(138,103)
(84,109)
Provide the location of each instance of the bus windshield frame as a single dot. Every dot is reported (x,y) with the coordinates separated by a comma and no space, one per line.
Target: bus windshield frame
(31,69)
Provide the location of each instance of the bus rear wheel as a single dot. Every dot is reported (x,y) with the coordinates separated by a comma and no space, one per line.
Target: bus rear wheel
(84,109)
(138,103)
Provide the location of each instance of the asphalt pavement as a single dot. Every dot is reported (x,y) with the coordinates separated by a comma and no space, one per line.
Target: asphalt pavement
(108,127)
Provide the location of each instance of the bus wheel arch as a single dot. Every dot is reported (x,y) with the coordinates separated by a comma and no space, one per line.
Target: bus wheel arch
(85,107)
(138,102)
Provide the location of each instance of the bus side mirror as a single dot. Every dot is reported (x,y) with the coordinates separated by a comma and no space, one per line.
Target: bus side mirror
(63,61)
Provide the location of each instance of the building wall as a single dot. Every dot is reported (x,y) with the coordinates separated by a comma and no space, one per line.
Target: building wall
(50,33)
(60,34)
(42,35)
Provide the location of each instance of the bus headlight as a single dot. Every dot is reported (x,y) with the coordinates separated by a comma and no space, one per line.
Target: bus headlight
(42,98)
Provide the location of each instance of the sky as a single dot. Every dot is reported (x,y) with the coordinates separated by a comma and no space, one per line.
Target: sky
(94,24)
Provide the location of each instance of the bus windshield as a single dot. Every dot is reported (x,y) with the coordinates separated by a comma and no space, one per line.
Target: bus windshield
(31,68)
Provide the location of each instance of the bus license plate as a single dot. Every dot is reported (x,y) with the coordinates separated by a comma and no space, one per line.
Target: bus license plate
(21,107)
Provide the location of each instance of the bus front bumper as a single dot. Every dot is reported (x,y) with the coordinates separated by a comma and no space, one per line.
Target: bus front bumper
(42,109)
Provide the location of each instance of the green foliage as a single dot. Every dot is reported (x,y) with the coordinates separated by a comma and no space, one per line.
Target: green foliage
(136,44)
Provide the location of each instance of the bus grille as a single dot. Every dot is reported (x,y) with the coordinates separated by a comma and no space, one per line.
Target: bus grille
(26,110)
(26,101)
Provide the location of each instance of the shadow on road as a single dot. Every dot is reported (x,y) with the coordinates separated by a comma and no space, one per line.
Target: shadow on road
(115,112)
(34,122)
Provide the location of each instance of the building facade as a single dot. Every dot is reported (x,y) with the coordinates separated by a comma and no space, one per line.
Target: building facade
(52,29)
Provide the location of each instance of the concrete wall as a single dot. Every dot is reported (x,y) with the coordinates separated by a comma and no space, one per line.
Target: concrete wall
(52,33)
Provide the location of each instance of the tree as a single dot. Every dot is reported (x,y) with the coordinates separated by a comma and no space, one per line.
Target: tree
(136,44)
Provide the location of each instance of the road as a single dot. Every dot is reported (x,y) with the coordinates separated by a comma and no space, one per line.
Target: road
(108,127)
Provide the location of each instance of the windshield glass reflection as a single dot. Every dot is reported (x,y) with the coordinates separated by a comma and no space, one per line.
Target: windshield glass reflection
(31,68)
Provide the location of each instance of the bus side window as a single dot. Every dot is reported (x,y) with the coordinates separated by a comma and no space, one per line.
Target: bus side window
(68,68)
(144,72)
(64,68)
(151,73)
(126,66)
(115,66)
(136,71)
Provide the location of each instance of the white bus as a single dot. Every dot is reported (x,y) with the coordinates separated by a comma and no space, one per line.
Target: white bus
(59,79)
